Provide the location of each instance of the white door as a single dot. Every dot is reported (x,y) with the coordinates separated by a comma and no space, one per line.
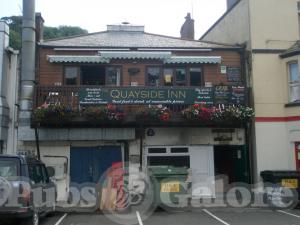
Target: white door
(202,166)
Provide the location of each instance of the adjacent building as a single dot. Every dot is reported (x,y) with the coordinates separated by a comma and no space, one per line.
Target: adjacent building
(9,89)
(270,31)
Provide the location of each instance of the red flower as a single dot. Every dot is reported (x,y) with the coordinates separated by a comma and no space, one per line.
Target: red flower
(196,106)
(165,116)
(111,107)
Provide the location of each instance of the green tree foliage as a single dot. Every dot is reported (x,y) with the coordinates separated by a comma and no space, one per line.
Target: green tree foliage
(62,31)
(15,32)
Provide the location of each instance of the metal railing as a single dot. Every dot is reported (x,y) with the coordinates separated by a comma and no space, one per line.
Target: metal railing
(68,95)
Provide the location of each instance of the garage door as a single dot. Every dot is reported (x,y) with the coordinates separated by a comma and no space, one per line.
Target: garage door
(200,159)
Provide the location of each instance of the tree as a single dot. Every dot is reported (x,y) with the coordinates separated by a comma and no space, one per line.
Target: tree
(15,32)
(62,31)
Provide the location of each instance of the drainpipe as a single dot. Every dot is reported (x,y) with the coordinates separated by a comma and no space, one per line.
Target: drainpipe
(4,62)
(28,64)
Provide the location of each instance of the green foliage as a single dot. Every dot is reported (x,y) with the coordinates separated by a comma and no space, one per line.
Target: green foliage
(62,31)
(15,33)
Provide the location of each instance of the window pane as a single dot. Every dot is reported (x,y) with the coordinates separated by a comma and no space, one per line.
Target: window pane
(295,93)
(179,150)
(113,76)
(168,77)
(153,76)
(9,168)
(195,76)
(293,70)
(180,76)
(93,75)
(71,74)
(157,150)
(35,173)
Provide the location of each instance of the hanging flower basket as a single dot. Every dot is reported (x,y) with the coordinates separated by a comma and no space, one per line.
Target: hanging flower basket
(154,113)
(56,113)
(213,115)
(104,113)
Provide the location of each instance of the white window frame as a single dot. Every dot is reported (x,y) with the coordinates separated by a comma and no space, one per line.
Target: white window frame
(294,83)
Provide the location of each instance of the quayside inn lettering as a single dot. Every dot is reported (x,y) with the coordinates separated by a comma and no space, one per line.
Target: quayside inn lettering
(134,95)
(148,94)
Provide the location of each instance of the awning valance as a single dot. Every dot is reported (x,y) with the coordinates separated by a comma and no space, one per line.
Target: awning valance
(134,55)
(193,59)
(77,59)
(106,56)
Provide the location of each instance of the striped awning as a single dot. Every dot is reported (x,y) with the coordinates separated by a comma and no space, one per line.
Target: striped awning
(135,55)
(106,56)
(193,59)
(77,59)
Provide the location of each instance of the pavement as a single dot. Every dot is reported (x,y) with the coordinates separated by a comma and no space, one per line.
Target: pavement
(208,216)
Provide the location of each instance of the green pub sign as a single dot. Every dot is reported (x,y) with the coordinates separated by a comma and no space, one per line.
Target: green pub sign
(148,95)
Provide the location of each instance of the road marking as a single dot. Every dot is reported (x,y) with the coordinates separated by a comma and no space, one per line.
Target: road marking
(139,218)
(61,219)
(215,217)
(290,214)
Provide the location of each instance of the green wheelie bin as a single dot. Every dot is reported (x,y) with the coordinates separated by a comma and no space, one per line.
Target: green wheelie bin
(170,185)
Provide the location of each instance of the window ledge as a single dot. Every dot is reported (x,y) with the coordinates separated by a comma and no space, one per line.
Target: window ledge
(292,104)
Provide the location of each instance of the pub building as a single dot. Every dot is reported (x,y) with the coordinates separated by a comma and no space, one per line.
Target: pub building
(125,95)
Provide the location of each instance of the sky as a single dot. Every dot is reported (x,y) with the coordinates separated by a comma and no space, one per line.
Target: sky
(159,16)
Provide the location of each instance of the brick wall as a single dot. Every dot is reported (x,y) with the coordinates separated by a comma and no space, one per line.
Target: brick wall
(52,73)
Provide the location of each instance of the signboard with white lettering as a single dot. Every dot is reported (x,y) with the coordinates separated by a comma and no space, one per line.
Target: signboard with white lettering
(164,95)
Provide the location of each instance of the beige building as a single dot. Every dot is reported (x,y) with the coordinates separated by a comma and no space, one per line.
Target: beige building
(270,31)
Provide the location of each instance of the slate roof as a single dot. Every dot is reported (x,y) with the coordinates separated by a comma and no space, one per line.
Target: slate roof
(294,50)
(129,39)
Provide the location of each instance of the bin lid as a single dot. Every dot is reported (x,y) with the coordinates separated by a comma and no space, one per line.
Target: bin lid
(280,173)
(167,170)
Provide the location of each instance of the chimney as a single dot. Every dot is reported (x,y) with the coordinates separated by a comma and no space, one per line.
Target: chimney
(230,3)
(187,30)
(39,27)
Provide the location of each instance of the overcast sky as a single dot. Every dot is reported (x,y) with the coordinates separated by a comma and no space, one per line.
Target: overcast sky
(159,16)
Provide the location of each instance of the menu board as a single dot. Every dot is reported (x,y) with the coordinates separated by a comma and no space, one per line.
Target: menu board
(238,95)
(204,95)
(92,96)
(222,95)
(233,74)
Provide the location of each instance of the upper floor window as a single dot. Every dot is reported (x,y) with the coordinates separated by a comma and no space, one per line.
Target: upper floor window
(195,76)
(180,76)
(153,76)
(71,75)
(92,75)
(294,83)
(113,76)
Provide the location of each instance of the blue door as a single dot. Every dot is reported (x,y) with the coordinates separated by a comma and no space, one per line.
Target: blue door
(87,164)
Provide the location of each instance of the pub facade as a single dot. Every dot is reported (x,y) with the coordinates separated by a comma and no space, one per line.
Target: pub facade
(125,95)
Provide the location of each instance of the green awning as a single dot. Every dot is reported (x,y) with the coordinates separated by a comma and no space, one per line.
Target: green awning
(77,59)
(134,55)
(193,59)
